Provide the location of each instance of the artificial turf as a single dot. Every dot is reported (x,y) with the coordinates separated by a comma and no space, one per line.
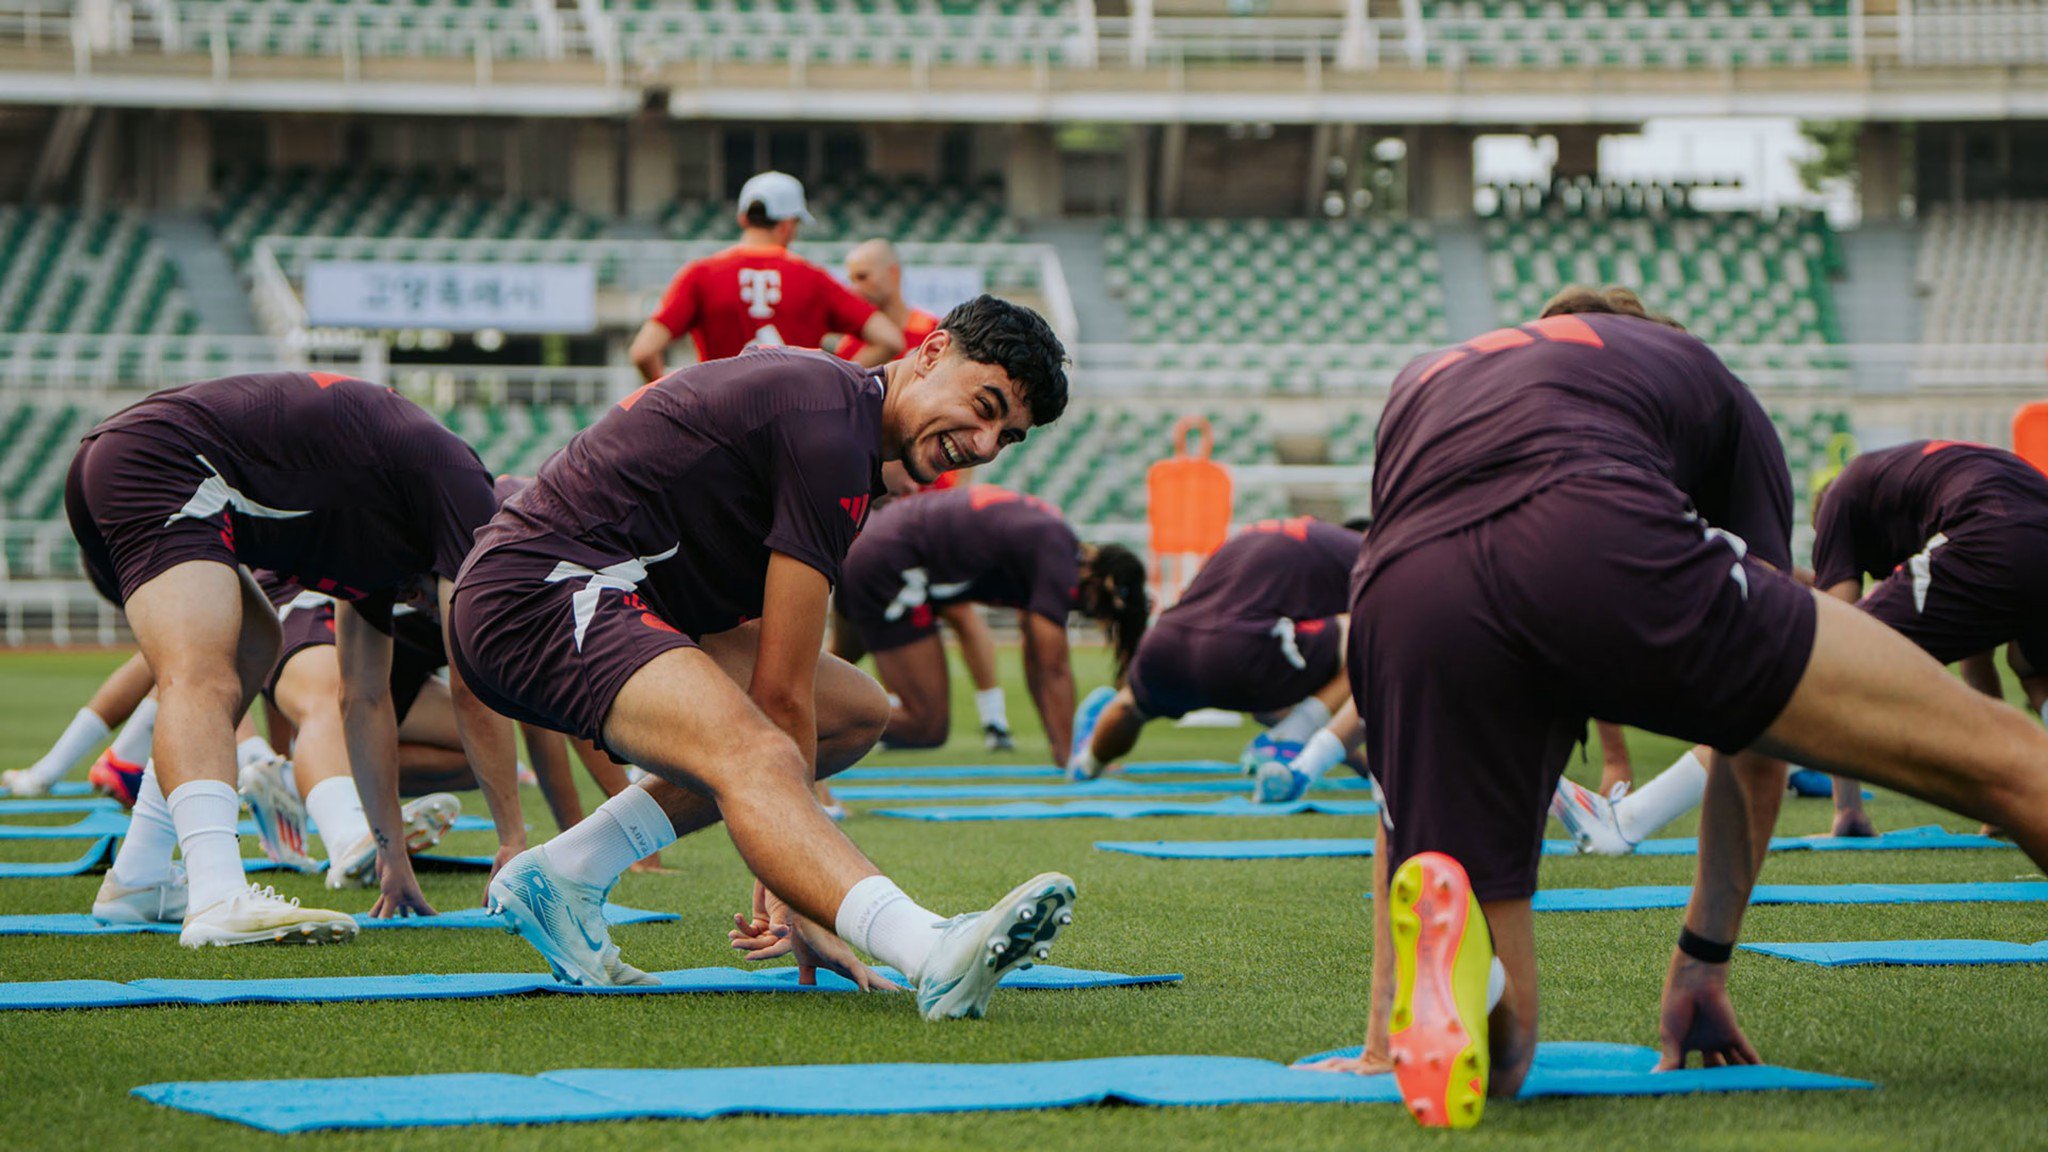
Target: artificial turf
(1275,954)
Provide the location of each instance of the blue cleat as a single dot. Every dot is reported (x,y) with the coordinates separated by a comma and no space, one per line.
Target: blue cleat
(1264,748)
(1276,782)
(1807,782)
(1085,719)
(563,920)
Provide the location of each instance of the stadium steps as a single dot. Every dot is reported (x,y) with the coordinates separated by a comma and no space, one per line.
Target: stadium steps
(211,284)
(1079,244)
(1468,290)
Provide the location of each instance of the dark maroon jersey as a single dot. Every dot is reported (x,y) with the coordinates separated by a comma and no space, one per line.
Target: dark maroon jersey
(982,544)
(506,487)
(1297,569)
(1885,506)
(1471,431)
(341,486)
(687,486)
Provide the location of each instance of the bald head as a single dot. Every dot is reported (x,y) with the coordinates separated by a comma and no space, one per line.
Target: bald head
(875,272)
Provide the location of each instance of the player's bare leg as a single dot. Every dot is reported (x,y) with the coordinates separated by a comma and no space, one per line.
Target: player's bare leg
(916,675)
(1874,706)
(112,703)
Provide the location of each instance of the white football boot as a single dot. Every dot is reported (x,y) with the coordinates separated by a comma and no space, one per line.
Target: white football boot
(152,904)
(257,915)
(977,948)
(427,820)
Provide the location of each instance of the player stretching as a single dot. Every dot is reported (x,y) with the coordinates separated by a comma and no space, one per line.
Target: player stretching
(607,601)
(347,488)
(984,545)
(1589,515)
(1260,630)
(757,293)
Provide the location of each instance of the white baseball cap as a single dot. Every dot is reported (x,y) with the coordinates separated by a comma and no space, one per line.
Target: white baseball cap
(779,194)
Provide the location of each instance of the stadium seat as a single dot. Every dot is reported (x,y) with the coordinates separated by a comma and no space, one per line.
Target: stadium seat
(68,271)
(1636,34)
(865,206)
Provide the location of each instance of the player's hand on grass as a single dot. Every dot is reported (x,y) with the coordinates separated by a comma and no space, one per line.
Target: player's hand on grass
(755,933)
(817,948)
(399,894)
(503,857)
(1697,1016)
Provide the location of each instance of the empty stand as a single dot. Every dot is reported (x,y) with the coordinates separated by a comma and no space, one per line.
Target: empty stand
(1983,273)
(68,271)
(1275,282)
(1550,34)
(380,203)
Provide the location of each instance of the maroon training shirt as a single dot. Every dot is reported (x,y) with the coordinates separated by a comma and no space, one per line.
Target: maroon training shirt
(1885,506)
(1296,569)
(696,478)
(1471,431)
(982,544)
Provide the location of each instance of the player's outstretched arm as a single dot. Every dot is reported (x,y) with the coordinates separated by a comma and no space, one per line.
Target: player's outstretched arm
(647,348)
(1736,818)
(487,741)
(1049,674)
(370,728)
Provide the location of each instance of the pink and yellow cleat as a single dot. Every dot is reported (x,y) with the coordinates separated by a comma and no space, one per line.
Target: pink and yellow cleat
(1443,958)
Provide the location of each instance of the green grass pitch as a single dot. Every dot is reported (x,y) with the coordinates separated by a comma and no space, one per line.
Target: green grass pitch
(1275,954)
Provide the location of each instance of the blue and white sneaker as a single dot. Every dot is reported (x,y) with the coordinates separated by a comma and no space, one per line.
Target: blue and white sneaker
(1263,749)
(1589,818)
(1279,783)
(1087,716)
(564,921)
(1807,782)
(977,948)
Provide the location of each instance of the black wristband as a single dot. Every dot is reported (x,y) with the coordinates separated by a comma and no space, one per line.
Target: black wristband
(1702,949)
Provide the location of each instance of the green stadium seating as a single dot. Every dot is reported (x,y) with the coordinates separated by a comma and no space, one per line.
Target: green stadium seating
(1278,282)
(504,29)
(865,206)
(842,32)
(1730,277)
(382,203)
(1556,34)
(1983,273)
(64,270)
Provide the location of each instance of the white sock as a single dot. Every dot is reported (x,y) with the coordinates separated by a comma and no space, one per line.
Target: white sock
(254,750)
(81,736)
(335,809)
(1675,791)
(994,709)
(204,812)
(1322,753)
(877,918)
(1301,722)
(1083,765)
(624,829)
(133,743)
(144,857)
(1496,984)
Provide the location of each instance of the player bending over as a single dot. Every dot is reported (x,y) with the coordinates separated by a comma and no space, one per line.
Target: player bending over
(983,545)
(608,601)
(1260,629)
(346,488)
(1588,515)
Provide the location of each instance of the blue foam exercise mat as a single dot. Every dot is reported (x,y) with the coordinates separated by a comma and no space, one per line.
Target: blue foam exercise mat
(81,924)
(1931,837)
(43,806)
(482,985)
(1676,896)
(1128,809)
(938,772)
(1079,790)
(1910,953)
(62,788)
(1562,1069)
(102,851)
(104,822)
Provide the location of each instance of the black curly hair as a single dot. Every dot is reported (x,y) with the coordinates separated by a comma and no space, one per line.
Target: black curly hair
(1012,337)
(1113,591)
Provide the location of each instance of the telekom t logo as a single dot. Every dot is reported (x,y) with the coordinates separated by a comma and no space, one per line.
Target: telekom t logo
(761,289)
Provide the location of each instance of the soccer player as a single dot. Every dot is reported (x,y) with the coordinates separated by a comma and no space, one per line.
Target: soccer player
(661,589)
(1260,629)
(1588,515)
(757,293)
(1956,536)
(343,486)
(876,273)
(122,698)
(984,545)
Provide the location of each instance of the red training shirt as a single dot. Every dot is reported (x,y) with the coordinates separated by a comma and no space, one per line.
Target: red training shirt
(753,295)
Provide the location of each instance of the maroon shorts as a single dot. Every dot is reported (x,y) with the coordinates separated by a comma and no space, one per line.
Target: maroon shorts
(552,653)
(1478,658)
(124,495)
(1177,669)
(884,594)
(416,649)
(1982,585)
